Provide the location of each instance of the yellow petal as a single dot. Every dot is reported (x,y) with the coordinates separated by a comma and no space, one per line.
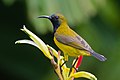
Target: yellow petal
(26,42)
(84,75)
(41,45)
(65,72)
(55,53)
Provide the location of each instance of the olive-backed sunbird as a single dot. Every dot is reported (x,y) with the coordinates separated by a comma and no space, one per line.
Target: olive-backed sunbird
(69,41)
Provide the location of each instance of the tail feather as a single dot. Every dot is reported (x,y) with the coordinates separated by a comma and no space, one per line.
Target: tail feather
(98,56)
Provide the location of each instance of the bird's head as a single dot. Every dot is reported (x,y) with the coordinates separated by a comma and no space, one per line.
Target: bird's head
(56,19)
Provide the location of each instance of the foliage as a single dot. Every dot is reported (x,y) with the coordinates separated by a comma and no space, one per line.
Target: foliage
(97,21)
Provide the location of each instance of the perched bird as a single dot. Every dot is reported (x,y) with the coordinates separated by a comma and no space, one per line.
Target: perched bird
(69,41)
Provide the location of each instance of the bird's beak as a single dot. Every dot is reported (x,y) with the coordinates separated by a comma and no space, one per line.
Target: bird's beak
(48,17)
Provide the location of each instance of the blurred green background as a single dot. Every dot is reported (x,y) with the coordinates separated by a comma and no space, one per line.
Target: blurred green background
(97,21)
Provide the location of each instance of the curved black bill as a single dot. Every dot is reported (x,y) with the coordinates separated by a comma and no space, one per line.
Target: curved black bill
(48,17)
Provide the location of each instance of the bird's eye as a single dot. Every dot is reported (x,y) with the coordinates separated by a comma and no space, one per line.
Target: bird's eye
(56,17)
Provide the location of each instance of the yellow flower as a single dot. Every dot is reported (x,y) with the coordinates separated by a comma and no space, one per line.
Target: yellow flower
(37,42)
(84,75)
(63,72)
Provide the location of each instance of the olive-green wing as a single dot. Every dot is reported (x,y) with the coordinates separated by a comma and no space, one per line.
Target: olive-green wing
(76,42)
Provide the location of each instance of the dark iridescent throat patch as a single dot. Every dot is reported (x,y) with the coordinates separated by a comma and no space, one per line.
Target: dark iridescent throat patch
(56,24)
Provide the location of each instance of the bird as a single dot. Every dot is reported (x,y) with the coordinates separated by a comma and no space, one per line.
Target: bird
(68,41)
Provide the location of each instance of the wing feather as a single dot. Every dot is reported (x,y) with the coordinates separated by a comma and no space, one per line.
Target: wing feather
(76,42)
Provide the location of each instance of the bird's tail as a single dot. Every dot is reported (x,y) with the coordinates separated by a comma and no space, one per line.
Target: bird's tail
(98,56)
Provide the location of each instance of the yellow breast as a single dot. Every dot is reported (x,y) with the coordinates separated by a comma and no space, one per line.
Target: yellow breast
(68,50)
